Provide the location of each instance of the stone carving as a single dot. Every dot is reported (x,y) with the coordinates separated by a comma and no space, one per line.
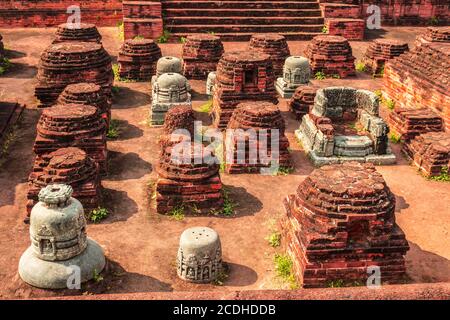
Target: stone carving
(263,118)
(331,55)
(59,241)
(296,72)
(327,137)
(380,51)
(72,62)
(86,32)
(138,58)
(199,257)
(210,83)
(168,91)
(70,166)
(241,76)
(201,53)
(340,222)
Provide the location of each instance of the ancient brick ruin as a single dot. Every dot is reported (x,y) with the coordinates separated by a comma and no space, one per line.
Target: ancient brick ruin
(72,125)
(343,18)
(430,153)
(142,19)
(381,51)
(191,184)
(421,77)
(241,76)
(88,94)
(340,222)
(265,123)
(331,55)
(71,166)
(137,59)
(201,53)
(434,34)
(176,119)
(72,62)
(344,125)
(275,45)
(302,101)
(86,32)
(408,123)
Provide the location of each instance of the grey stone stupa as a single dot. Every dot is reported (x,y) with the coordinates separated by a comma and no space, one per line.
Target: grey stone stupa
(59,244)
(296,72)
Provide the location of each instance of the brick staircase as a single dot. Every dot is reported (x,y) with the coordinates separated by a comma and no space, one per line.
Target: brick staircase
(239,19)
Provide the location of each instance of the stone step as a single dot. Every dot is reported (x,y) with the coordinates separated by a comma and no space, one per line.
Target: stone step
(233,36)
(187,12)
(245,28)
(226,21)
(240,4)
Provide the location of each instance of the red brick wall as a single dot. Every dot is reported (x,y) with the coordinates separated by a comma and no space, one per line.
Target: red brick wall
(46,13)
(142,18)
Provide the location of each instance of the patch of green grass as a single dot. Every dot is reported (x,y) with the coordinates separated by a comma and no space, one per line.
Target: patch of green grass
(284,171)
(338,283)
(443,177)
(284,269)
(113,130)
(177,213)
(99,214)
(121,31)
(164,38)
(395,137)
(379,94)
(97,277)
(360,66)
(274,239)
(320,75)
(325,29)
(390,104)
(222,276)
(206,108)
(5,64)
(183,39)
(228,204)
(115,69)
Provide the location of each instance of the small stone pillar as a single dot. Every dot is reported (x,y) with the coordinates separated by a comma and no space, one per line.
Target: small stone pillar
(296,72)
(199,255)
(167,64)
(59,244)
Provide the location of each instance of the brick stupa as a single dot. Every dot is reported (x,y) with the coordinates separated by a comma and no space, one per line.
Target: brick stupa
(177,118)
(340,222)
(201,53)
(89,94)
(72,62)
(380,51)
(193,185)
(72,125)
(137,59)
(331,55)
(86,32)
(241,76)
(69,166)
(263,118)
(275,45)
(302,100)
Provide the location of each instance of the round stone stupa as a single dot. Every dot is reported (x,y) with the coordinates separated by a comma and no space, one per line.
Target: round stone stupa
(59,244)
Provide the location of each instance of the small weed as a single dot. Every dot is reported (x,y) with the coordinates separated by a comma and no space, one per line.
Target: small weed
(283,268)
(434,21)
(335,76)
(115,90)
(360,66)
(206,108)
(164,38)
(183,39)
(121,31)
(390,104)
(379,94)
(115,68)
(113,130)
(222,276)
(97,277)
(138,38)
(395,137)
(211,33)
(5,64)
(99,214)
(339,283)
(325,29)
(274,239)
(443,177)
(284,171)
(177,213)
(320,75)
(228,204)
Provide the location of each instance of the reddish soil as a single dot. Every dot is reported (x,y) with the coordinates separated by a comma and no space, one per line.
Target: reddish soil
(141,245)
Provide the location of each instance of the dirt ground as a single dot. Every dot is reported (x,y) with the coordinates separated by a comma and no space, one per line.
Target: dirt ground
(140,245)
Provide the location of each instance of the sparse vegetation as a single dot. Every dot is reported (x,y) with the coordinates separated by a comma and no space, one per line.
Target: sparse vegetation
(228,204)
(284,171)
(442,177)
(115,69)
(164,38)
(115,90)
(5,64)
(139,38)
(434,21)
(222,276)
(395,137)
(97,277)
(113,130)
(360,66)
(177,213)
(183,39)
(335,76)
(121,31)
(338,283)
(99,214)
(325,29)
(274,239)
(206,108)
(390,104)
(320,75)
(284,269)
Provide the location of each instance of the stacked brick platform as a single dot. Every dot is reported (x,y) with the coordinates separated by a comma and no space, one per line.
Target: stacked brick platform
(137,59)
(177,118)
(409,123)
(72,62)
(331,55)
(241,76)
(340,222)
(421,78)
(201,53)
(380,51)
(262,118)
(70,166)
(302,100)
(194,186)
(275,46)
(430,153)
(72,125)
(351,29)
(89,94)
(142,18)
(434,34)
(86,32)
